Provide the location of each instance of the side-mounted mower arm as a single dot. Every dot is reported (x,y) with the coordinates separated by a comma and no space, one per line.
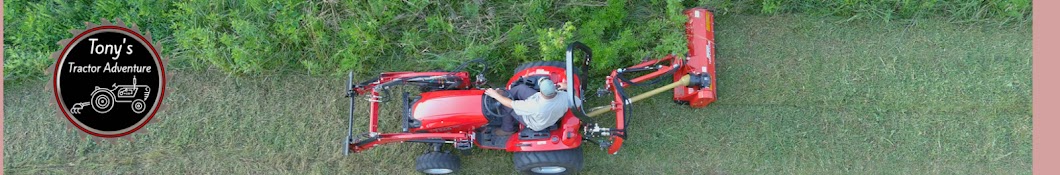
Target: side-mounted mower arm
(692,80)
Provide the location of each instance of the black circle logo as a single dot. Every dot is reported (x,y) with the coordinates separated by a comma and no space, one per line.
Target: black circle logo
(109,81)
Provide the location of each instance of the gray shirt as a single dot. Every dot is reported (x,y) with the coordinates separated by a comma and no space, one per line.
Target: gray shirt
(539,113)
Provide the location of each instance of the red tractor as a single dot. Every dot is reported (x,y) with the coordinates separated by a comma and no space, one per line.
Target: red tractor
(451,109)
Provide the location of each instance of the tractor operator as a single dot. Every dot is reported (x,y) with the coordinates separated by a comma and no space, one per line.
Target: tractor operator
(536,109)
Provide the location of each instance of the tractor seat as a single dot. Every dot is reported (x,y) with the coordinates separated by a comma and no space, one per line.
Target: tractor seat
(530,81)
(530,134)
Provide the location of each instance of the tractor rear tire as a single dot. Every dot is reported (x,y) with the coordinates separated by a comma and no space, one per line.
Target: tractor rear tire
(549,162)
(437,163)
(557,64)
(102,101)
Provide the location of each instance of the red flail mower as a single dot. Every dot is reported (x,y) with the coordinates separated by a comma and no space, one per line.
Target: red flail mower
(451,109)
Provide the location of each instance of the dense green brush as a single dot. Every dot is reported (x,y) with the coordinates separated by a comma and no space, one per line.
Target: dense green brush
(331,37)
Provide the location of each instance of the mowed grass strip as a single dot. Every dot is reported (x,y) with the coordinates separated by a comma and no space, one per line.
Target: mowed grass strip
(797,94)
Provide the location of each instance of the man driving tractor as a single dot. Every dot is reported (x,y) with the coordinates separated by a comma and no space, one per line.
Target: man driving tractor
(451,109)
(537,109)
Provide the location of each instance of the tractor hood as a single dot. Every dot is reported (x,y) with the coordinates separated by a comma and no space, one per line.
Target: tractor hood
(452,110)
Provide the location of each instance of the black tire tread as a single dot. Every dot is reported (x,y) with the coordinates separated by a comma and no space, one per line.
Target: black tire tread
(571,158)
(437,160)
(558,64)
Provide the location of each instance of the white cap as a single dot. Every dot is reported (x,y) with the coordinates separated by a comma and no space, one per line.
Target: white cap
(547,87)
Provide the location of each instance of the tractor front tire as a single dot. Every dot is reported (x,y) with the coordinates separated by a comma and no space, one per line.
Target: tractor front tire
(138,106)
(437,163)
(549,162)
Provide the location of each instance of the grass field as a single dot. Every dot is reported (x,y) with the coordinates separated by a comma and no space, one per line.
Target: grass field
(797,95)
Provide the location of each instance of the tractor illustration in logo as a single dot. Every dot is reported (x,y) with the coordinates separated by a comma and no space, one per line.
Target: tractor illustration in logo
(103,99)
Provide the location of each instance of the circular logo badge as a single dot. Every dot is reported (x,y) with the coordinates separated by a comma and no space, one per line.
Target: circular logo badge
(109,80)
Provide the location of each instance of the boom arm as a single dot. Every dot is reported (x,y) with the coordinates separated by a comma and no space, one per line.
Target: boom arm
(603,109)
(692,80)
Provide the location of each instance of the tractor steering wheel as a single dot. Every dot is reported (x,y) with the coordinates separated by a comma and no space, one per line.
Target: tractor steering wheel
(493,107)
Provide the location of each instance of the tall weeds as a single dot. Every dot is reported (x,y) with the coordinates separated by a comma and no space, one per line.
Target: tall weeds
(329,37)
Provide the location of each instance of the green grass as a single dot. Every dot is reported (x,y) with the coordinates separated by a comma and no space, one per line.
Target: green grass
(797,95)
(244,37)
